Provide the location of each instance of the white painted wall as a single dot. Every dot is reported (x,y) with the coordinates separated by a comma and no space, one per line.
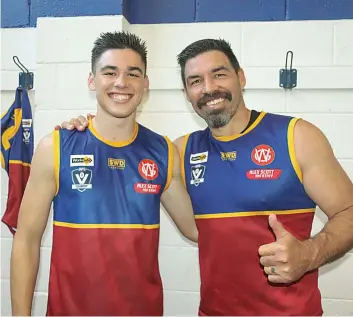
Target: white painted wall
(58,50)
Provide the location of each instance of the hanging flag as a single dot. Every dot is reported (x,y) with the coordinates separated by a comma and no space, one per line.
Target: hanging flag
(17,144)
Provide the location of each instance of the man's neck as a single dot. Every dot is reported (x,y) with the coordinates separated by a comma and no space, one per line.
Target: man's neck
(236,125)
(114,129)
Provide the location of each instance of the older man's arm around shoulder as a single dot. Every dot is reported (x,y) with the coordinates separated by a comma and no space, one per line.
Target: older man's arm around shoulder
(33,217)
(288,259)
(177,202)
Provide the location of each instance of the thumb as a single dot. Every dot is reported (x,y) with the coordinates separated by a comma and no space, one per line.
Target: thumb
(277,227)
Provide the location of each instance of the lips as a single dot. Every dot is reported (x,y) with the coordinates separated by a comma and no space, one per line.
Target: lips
(118,97)
(214,99)
(215,102)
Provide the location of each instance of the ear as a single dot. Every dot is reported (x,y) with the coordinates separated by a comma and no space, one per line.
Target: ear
(91,82)
(146,84)
(242,78)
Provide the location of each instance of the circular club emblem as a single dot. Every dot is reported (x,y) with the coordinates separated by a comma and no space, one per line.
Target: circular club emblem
(148,169)
(263,155)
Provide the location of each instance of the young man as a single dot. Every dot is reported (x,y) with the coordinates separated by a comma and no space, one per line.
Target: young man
(255,180)
(106,184)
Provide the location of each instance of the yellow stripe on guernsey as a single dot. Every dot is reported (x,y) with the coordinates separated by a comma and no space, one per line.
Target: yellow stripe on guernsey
(19,162)
(182,158)
(56,142)
(104,226)
(170,162)
(291,149)
(11,131)
(2,160)
(255,213)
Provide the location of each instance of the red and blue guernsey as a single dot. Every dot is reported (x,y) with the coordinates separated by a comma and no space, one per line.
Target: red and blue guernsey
(16,153)
(106,223)
(235,183)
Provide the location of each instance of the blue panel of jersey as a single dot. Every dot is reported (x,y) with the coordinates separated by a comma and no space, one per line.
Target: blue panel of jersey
(220,183)
(97,180)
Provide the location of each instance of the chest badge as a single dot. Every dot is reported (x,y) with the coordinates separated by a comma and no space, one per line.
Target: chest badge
(263,155)
(148,169)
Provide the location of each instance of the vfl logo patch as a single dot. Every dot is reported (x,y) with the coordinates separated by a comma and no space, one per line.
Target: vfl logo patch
(148,169)
(81,179)
(263,155)
(81,160)
(26,136)
(198,158)
(197,174)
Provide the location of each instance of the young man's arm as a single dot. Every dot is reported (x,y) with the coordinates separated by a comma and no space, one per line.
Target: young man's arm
(32,220)
(326,183)
(177,202)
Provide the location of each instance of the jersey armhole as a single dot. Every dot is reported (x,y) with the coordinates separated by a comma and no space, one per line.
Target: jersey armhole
(56,139)
(291,149)
(170,162)
(182,158)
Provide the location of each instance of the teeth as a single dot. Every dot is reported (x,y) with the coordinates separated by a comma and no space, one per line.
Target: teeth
(215,101)
(120,97)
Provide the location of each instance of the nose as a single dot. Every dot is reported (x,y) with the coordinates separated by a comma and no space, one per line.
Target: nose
(209,86)
(121,81)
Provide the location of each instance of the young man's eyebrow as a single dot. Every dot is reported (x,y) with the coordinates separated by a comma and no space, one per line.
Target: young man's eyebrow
(108,67)
(130,68)
(133,68)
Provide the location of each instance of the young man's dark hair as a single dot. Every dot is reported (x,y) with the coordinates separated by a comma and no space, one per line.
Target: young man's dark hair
(203,46)
(118,40)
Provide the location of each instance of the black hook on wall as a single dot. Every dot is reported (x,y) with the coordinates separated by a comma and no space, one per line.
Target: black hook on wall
(288,77)
(25,78)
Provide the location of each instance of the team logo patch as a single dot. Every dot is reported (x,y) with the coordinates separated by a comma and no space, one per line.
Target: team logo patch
(81,160)
(264,174)
(146,188)
(198,158)
(116,163)
(148,169)
(263,155)
(197,174)
(81,179)
(228,156)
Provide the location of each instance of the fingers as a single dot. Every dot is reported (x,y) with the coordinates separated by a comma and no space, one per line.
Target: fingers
(90,116)
(267,249)
(78,124)
(268,260)
(67,125)
(82,120)
(270,270)
(277,279)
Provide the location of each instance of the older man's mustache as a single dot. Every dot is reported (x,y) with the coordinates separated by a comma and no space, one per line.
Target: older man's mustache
(216,95)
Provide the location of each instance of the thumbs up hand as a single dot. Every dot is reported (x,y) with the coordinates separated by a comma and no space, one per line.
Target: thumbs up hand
(287,259)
